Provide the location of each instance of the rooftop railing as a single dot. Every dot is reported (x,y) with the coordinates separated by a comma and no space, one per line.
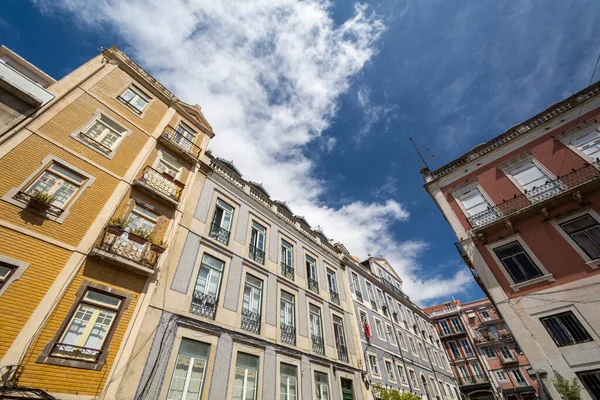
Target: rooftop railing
(537,196)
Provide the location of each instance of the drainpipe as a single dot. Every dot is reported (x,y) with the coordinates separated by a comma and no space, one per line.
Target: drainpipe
(402,358)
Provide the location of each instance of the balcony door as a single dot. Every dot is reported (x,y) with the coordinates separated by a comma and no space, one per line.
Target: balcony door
(185,136)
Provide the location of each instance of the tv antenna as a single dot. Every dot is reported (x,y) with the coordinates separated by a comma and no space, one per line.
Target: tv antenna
(422,155)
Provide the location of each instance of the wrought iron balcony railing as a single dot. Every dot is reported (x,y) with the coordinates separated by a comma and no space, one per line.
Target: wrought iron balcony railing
(318,346)
(76,352)
(38,205)
(116,245)
(452,331)
(445,311)
(204,305)
(219,234)
(342,352)
(335,298)
(472,380)
(162,184)
(250,321)
(288,334)
(93,142)
(257,254)
(173,137)
(567,183)
(393,288)
(287,271)
(313,285)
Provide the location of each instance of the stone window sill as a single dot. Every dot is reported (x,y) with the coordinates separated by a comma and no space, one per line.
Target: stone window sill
(518,286)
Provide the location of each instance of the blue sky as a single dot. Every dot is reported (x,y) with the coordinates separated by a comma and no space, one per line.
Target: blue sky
(318,100)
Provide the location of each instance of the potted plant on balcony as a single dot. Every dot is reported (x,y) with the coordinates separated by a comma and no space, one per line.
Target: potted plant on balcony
(117,226)
(40,201)
(158,246)
(139,235)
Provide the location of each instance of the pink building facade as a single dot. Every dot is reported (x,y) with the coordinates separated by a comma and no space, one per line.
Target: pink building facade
(525,207)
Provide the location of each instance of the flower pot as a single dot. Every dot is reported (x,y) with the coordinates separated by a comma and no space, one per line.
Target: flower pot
(115,230)
(136,238)
(38,205)
(157,249)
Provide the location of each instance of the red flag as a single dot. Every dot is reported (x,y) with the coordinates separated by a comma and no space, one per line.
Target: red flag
(368,330)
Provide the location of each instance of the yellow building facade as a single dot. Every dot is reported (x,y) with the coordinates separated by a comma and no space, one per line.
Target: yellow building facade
(95,176)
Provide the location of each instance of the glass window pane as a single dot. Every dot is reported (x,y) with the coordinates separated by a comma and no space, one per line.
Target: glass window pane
(4,272)
(102,299)
(212,262)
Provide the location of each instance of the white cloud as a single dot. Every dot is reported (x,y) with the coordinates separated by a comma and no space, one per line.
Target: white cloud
(373,114)
(268,75)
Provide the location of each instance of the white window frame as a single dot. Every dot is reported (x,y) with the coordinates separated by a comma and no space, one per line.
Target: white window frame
(378,324)
(501,375)
(414,380)
(99,114)
(17,268)
(390,332)
(402,373)
(518,370)
(312,263)
(189,372)
(287,381)
(391,376)
(464,341)
(464,189)
(402,340)
(332,280)
(260,230)
(375,366)
(138,93)
(413,346)
(518,162)
(571,135)
(170,161)
(457,349)
(287,248)
(556,222)
(245,386)
(546,276)
(487,353)
(320,385)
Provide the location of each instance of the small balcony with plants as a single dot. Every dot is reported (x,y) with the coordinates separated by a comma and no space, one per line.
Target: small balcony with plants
(39,202)
(160,185)
(135,249)
(178,142)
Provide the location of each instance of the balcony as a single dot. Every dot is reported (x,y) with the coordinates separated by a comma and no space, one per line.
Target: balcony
(313,285)
(38,205)
(342,353)
(23,87)
(94,143)
(393,288)
(160,185)
(288,334)
(451,331)
(472,380)
(76,352)
(257,254)
(250,321)
(560,190)
(445,311)
(287,271)
(174,140)
(204,305)
(126,249)
(219,234)
(318,346)
(508,360)
(335,298)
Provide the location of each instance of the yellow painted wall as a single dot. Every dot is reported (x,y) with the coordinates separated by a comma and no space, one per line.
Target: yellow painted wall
(62,379)
(20,163)
(23,296)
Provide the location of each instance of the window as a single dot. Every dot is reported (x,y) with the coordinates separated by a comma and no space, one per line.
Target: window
(220,228)
(136,98)
(379,329)
(532,181)
(184,136)
(401,374)
(412,346)
(58,182)
(517,262)
(190,368)
(103,133)
(476,369)
(316,329)
(321,386)
(442,389)
(206,291)
(591,381)
(456,325)
(585,231)
(287,317)
(565,329)
(473,202)
(454,349)
(434,387)
(6,271)
(84,336)
(340,338)
(445,327)
(402,340)
(501,376)
(518,376)
(168,165)
(485,315)
(141,218)
(466,347)
(311,271)
(588,143)
(432,356)
(380,301)
(356,287)
(252,304)
(374,364)
(332,281)
(257,242)
(489,353)
(245,384)
(422,351)
(413,379)
(287,259)
(506,353)
(371,295)
(288,382)
(390,332)
(463,371)
(389,369)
